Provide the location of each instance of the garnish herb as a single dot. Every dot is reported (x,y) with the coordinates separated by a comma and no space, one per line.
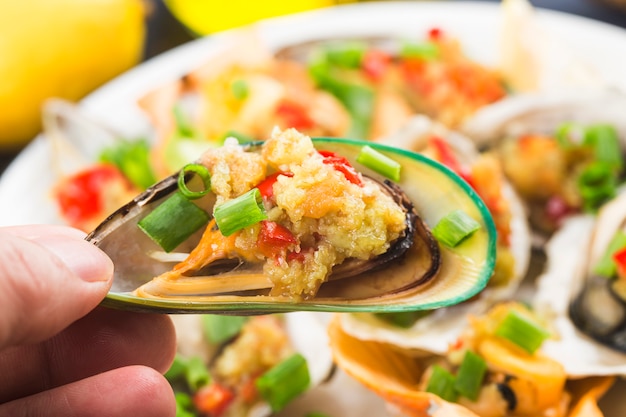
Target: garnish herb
(284,381)
(606,266)
(454,228)
(197,374)
(219,329)
(404,319)
(379,162)
(240,212)
(133,160)
(172,222)
(425,50)
(522,331)
(441,383)
(470,375)
(240,89)
(202,172)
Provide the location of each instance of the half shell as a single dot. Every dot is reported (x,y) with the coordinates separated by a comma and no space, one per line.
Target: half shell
(433,191)
(434,332)
(589,330)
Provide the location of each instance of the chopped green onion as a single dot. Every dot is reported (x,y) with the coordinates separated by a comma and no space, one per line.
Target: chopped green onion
(606,265)
(358,99)
(243,211)
(197,374)
(379,162)
(317,414)
(469,377)
(172,222)
(570,135)
(454,228)
(284,381)
(603,138)
(441,383)
(183,127)
(184,405)
(425,50)
(597,183)
(219,329)
(132,158)
(177,369)
(345,54)
(202,172)
(403,319)
(522,331)
(240,89)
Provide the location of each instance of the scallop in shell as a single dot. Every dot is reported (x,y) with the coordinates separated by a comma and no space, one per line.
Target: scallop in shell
(586,312)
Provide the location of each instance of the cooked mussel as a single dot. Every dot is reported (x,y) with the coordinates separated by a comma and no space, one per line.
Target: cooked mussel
(416,272)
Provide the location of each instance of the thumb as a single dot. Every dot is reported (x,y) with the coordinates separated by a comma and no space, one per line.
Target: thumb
(49,277)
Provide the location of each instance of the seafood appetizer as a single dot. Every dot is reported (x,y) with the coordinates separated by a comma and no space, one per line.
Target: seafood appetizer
(435,330)
(246,366)
(291,224)
(562,153)
(580,292)
(494,368)
(357,88)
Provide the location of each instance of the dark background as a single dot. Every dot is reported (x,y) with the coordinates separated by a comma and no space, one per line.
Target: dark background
(165,32)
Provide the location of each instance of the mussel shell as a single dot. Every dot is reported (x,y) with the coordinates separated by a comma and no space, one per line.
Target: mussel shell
(432,189)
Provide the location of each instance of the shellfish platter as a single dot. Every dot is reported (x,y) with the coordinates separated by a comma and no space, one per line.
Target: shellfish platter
(523,107)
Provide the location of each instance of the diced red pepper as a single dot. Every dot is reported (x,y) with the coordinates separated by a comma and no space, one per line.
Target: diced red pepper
(435,34)
(449,159)
(266,187)
(375,64)
(342,165)
(275,240)
(619,258)
(294,115)
(80,197)
(213,399)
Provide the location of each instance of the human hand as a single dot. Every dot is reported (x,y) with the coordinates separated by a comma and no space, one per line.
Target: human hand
(60,354)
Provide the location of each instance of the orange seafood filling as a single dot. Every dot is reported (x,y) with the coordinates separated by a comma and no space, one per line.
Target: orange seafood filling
(450,87)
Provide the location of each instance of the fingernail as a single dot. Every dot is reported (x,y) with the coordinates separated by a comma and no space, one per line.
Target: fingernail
(82,257)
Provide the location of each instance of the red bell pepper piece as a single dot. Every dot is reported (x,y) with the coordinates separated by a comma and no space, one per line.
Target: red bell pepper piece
(375,64)
(266,187)
(342,165)
(213,399)
(275,240)
(619,258)
(80,197)
(449,159)
(294,115)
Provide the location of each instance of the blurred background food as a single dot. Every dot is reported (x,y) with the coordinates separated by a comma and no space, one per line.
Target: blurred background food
(61,48)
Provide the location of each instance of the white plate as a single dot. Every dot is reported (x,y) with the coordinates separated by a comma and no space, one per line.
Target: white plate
(25,185)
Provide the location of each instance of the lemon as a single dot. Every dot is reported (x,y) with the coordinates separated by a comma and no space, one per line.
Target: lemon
(60,48)
(207,16)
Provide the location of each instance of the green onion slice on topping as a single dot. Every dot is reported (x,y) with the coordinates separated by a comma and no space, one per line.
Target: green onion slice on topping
(441,383)
(522,331)
(284,381)
(454,228)
(243,211)
(202,172)
(173,221)
(606,266)
(379,162)
(469,377)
